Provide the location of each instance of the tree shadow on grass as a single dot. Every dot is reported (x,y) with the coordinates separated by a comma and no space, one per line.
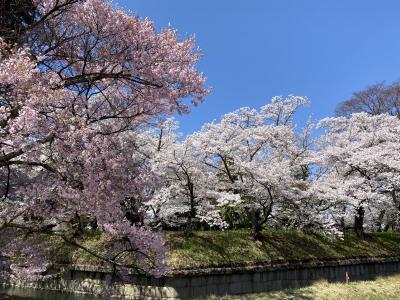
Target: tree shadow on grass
(293,247)
(215,247)
(289,294)
(203,251)
(284,295)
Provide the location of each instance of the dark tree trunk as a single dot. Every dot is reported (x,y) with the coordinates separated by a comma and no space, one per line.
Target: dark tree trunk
(396,219)
(342,224)
(192,211)
(255,224)
(359,222)
(379,222)
(189,226)
(386,229)
(342,221)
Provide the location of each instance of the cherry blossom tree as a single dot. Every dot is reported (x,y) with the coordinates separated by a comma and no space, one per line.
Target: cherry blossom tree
(258,159)
(186,186)
(154,139)
(78,84)
(360,159)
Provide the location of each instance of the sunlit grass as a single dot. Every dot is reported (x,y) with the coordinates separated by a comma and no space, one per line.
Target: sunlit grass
(385,288)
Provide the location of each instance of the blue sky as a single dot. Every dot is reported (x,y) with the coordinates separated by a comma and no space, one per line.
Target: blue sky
(255,49)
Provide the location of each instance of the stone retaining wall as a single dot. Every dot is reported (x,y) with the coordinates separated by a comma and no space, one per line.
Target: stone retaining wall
(194,283)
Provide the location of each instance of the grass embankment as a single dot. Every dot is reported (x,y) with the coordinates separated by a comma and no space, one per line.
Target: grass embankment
(387,288)
(230,248)
(237,248)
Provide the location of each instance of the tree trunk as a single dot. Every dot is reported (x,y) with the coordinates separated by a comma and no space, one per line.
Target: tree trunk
(189,226)
(359,222)
(379,222)
(386,229)
(342,221)
(396,218)
(255,224)
(192,211)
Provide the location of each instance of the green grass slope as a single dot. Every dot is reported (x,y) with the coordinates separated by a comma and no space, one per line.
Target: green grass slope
(236,247)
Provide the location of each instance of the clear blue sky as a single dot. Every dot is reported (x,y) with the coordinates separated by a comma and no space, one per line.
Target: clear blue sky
(255,49)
